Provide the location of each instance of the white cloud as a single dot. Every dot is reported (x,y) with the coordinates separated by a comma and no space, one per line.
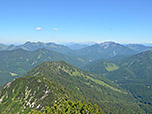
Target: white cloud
(55,29)
(38,28)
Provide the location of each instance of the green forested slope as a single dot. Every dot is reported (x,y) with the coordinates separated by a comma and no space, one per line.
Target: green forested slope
(133,74)
(96,90)
(51,81)
(69,107)
(28,93)
(15,63)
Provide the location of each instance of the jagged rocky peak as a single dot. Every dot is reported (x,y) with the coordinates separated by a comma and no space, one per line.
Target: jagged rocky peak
(107,44)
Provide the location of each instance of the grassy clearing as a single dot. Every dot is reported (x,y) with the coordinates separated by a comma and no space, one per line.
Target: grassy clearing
(13,74)
(110,67)
(106,85)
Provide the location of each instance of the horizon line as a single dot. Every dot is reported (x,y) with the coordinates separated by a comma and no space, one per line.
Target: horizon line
(68,42)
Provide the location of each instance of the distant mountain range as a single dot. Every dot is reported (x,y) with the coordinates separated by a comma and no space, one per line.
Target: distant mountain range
(32,46)
(105,50)
(138,47)
(76,46)
(51,81)
(92,52)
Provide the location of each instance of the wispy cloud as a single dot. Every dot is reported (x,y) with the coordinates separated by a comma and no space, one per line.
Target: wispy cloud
(150,42)
(38,28)
(55,29)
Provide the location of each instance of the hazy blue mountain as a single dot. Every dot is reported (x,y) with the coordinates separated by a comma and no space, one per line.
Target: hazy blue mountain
(139,47)
(147,44)
(77,46)
(11,47)
(3,46)
(32,46)
(105,50)
(90,52)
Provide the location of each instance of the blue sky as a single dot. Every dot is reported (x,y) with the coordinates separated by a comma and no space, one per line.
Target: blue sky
(125,21)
